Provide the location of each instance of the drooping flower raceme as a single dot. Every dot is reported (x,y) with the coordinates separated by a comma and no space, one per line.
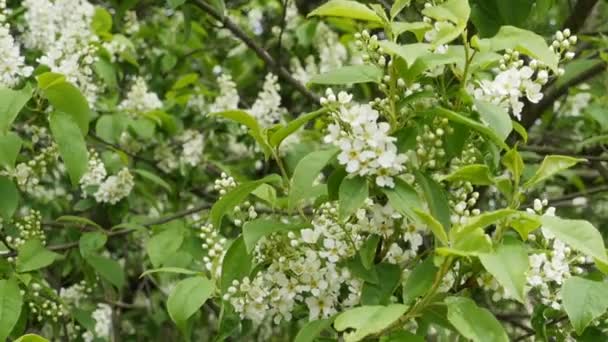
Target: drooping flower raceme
(139,99)
(12,64)
(366,147)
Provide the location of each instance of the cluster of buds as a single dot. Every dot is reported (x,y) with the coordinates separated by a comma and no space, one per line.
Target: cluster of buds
(42,307)
(224,184)
(564,43)
(214,244)
(429,143)
(29,227)
(372,52)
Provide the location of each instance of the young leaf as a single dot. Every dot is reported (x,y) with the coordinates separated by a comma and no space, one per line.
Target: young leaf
(496,117)
(91,242)
(478,174)
(350,74)
(347,9)
(367,320)
(436,198)
(187,297)
(509,264)
(524,41)
(11,302)
(236,196)
(10,145)
(66,98)
(101,22)
(419,280)
(404,198)
(72,147)
(434,225)
(33,256)
(164,244)
(236,264)
(11,103)
(108,269)
(352,195)
(584,300)
(277,137)
(312,329)
(380,293)
(251,123)
(474,323)
(398,6)
(550,166)
(9,198)
(306,172)
(256,229)
(31,338)
(455,11)
(579,234)
(459,118)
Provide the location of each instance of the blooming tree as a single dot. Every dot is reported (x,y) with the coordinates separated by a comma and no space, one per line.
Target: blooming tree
(303,170)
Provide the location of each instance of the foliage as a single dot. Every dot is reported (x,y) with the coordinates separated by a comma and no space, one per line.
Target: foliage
(180,170)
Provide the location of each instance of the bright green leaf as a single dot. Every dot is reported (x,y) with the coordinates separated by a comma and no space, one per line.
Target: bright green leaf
(584,300)
(91,242)
(108,269)
(350,74)
(367,320)
(72,147)
(550,166)
(187,297)
(10,145)
(9,198)
(11,302)
(236,264)
(306,172)
(478,174)
(11,103)
(404,198)
(311,330)
(509,264)
(256,229)
(496,117)
(33,256)
(474,323)
(346,9)
(579,234)
(352,195)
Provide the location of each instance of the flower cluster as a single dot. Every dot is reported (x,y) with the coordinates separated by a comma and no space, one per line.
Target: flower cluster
(553,263)
(105,190)
(366,148)
(103,323)
(139,99)
(192,147)
(228,98)
(61,29)
(44,304)
(267,107)
(28,228)
(12,63)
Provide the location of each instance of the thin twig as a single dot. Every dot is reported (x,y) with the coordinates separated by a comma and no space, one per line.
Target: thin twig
(545,150)
(261,52)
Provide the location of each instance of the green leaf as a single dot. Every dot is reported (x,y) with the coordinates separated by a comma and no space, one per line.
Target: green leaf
(91,242)
(10,145)
(367,320)
(474,323)
(435,226)
(486,131)
(164,244)
(31,338)
(410,52)
(419,280)
(418,28)
(350,74)
(584,300)
(473,243)
(404,198)
(521,130)
(66,98)
(455,11)
(108,269)
(579,234)
(33,256)
(9,198)
(514,163)
(550,166)
(235,197)
(482,221)
(175,3)
(367,252)
(352,194)
(277,137)
(509,264)
(72,147)
(256,229)
(312,329)
(101,22)
(251,123)
(496,117)
(436,198)
(11,302)
(78,220)
(524,41)
(187,298)
(478,174)
(178,270)
(389,276)
(398,6)
(346,9)
(305,174)
(186,80)
(153,178)
(106,71)
(11,103)
(236,264)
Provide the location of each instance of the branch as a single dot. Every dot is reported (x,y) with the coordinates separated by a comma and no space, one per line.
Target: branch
(260,51)
(571,196)
(546,150)
(579,14)
(160,220)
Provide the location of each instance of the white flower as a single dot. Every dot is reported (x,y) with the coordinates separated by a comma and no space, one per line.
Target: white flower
(309,235)
(115,188)
(267,107)
(228,96)
(139,99)
(103,320)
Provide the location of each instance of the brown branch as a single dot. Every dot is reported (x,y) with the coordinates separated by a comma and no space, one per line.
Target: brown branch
(261,52)
(579,14)
(546,150)
(571,196)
